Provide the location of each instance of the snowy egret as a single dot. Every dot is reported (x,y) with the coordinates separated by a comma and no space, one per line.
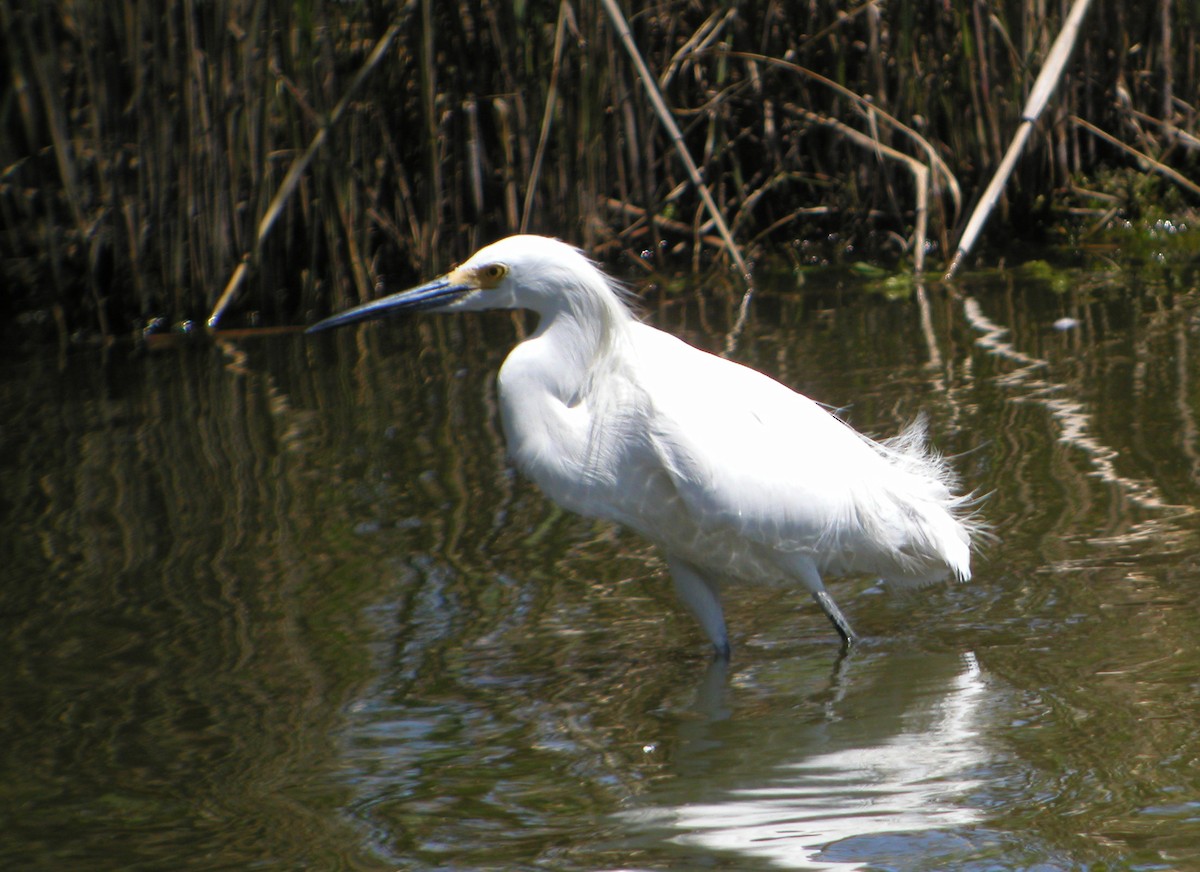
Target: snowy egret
(732,474)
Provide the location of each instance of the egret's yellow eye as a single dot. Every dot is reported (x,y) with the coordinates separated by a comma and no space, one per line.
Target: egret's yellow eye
(491,275)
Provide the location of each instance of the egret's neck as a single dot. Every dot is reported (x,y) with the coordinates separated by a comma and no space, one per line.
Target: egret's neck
(578,341)
(557,384)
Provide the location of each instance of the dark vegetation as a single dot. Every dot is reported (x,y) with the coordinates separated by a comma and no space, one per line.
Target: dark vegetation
(154,155)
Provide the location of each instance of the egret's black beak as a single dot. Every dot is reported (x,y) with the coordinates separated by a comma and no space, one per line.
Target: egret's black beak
(439,292)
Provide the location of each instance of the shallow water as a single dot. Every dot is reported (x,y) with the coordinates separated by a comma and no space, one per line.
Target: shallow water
(280,603)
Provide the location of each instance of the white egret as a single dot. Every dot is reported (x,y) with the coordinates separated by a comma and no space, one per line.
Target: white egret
(732,474)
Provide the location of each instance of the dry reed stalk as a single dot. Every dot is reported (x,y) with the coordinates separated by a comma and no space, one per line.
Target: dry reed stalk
(1169,130)
(1043,87)
(710,30)
(508,136)
(433,164)
(564,15)
(65,155)
(470,109)
(920,172)
(940,169)
(295,173)
(643,217)
(1144,159)
(668,122)
(842,19)
(1168,74)
(145,143)
(794,215)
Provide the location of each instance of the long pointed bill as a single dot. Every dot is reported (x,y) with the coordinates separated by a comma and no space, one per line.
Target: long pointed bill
(439,292)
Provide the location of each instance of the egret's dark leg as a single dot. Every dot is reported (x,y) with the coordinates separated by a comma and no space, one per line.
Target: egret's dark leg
(803,567)
(831,610)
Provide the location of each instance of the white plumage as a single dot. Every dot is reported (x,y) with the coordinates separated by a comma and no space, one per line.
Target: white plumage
(735,476)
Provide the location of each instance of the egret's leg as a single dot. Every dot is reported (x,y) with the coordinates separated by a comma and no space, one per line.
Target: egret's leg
(831,610)
(804,567)
(701,596)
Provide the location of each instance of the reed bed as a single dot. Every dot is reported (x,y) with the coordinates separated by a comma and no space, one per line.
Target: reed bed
(158,159)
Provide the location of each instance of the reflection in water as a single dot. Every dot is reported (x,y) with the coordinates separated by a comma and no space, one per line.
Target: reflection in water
(905,773)
(1030,381)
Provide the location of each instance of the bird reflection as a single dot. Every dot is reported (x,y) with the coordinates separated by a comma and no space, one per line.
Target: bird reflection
(897,760)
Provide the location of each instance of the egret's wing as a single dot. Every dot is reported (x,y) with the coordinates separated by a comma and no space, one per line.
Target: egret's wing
(749,456)
(744,451)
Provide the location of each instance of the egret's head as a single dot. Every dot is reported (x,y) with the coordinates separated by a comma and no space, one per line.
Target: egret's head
(520,272)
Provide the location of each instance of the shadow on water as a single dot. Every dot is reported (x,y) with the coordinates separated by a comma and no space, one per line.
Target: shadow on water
(282,603)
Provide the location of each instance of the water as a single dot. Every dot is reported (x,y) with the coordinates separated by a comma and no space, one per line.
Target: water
(280,603)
